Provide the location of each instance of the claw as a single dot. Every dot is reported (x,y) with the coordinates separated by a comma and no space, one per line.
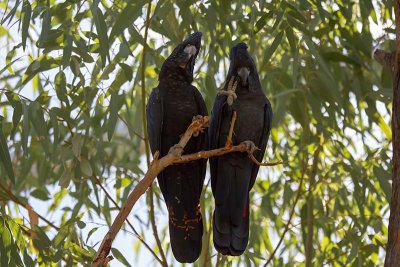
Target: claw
(197,117)
(250,146)
(230,91)
(176,150)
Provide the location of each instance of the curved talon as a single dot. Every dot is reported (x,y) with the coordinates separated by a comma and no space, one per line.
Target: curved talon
(230,91)
(250,146)
(176,150)
(197,117)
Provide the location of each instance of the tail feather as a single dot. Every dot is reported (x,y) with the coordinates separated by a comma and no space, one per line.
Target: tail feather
(186,243)
(231,214)
(230,239)
(181,190)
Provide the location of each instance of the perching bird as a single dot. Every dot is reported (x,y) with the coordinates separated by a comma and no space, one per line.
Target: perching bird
(234,174)
(171,107)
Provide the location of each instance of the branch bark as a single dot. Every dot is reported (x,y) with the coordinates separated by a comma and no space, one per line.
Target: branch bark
(393,246)
(157,166)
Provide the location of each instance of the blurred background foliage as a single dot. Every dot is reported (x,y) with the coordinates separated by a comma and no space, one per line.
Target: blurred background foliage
(72,139)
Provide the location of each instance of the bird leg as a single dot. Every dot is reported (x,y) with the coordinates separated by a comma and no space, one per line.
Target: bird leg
(230,91)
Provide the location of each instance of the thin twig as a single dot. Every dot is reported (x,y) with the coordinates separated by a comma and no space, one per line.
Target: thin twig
(16,200)
(229,138)
(129,223)
(299,193)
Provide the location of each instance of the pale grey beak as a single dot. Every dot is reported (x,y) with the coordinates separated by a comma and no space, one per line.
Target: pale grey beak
(190,50)
(243,74)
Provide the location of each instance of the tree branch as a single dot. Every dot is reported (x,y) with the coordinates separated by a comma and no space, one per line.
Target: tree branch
(128,222)
(392,258)
(157,166)
(16,200)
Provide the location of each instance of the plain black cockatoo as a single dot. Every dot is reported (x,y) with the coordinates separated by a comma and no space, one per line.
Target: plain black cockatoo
(170,109)
(234,174)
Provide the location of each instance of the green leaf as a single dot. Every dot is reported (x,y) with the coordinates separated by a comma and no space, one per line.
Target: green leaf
(17,114)
(41,64)
(81,224)
(40,126)
(101,28)
(26,19)
(5,154)
(56,131)
(9,64)
(66,178)
(67,51)
(46,28)
(127,71)
(40,193)
(9,57)
(112,119)
(91,232)
(60,83)
(12,12)
(337,56)
(384,177)
(26,127)
(77,143)
(291,39)
(127,17)
(270,50)
(262,21)
(118,255)
(86,168)
(384,127)
(28,260)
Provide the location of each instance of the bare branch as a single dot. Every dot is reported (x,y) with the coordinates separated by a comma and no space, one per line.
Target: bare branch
(157,166)
(229,139)
(128,222)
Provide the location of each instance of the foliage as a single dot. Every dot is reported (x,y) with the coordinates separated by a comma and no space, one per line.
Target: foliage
(72,119)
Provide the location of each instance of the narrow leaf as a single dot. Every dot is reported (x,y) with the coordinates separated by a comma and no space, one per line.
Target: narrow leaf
(77,145)
(86,169)
(118,255)
(101,28)
(112,119)
(270,50)
(17,114)
(26,19)
(61,86)
(67,51)
(26,127)
(5,154)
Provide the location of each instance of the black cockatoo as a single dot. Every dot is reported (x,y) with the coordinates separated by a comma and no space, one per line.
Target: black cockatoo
(171,107)
(234,174)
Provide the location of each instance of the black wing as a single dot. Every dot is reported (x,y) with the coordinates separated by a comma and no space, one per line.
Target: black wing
(154,116)
(214,134)
(201,105)
(262,144)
